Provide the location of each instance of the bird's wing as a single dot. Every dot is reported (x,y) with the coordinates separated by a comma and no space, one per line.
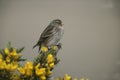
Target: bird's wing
(49,31)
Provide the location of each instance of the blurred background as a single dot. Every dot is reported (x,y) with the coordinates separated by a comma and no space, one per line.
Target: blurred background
(91,41)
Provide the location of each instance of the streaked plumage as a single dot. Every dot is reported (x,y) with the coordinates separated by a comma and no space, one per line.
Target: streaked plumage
(51,35)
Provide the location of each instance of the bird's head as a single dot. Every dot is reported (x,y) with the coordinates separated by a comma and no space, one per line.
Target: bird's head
(56,22)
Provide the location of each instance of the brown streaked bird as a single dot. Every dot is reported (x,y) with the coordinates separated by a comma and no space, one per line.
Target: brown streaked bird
(51,36)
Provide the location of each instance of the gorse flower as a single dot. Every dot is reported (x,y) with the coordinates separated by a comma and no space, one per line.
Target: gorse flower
(67,77)
(15,77)
(54,48)
(21,70)
(49,72)
(9,62)
(42,77)
(27,69)
(1,57)
(44,49)
(11,66)
(50,58)
(8,59)
(37,66)
(15,55)
(51,65)
(84,79)
(6,50)
(2,65)
(29,65)
(40,69)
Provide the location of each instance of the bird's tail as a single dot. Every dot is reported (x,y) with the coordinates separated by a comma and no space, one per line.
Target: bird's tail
(39,47)
(35,46)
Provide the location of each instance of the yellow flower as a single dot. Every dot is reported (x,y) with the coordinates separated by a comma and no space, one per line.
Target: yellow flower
(41,71)
(51,65)
(6,50)
(21,70)
(29,65)
(8,59)
(54,48)
(1,60)
(8,66)
(14,66)
(2,64)
(43,77)
(1,57)
(67,77)
(44,49)
(58,78)
(49,72)
(37,66)
(15,77)
(27,69)
(50,58)
(14,54)
(28,72)
(84,79)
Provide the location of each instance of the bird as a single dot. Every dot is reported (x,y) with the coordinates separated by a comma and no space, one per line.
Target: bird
(52,35)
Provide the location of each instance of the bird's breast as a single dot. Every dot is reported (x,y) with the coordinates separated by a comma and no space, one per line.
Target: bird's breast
(54,40)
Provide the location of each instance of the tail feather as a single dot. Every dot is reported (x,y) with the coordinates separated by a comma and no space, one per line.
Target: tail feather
(35,46)
(39,50)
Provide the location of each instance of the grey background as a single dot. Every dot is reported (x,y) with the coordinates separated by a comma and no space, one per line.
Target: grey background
(91,42)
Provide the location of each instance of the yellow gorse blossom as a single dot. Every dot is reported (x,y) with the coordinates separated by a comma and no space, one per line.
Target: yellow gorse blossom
(11,66)
(28,72)
(2,64)
(84,79)
(41,68)
(15,77)
(14,54)
(67,77)
(54,48)
(7,66)
(8,59)
(58,78)
(28,65)
(37,66)
(1,57)
(40,71)
(42,77)
(51,65)
(21,70)
(44,49)
(50,58)
(6,50)
(49,72)
(27,69)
